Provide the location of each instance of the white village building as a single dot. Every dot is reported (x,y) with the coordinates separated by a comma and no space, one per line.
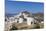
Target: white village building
(22,17)
(26,15)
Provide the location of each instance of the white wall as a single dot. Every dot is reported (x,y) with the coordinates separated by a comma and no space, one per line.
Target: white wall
(29,20)
(20,20)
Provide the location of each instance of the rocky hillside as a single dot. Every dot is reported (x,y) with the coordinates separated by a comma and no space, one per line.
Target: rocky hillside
(12,25)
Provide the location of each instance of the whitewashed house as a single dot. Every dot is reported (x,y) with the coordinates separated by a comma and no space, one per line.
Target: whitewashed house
(16,20)
(26,15)
(20,18)
(29,17)
(29,20)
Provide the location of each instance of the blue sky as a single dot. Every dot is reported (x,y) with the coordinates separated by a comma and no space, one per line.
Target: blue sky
(18,6)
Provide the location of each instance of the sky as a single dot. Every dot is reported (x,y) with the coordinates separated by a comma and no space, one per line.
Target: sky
(19,6)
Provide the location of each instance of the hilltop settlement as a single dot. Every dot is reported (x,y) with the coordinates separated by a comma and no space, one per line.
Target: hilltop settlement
(24,20)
